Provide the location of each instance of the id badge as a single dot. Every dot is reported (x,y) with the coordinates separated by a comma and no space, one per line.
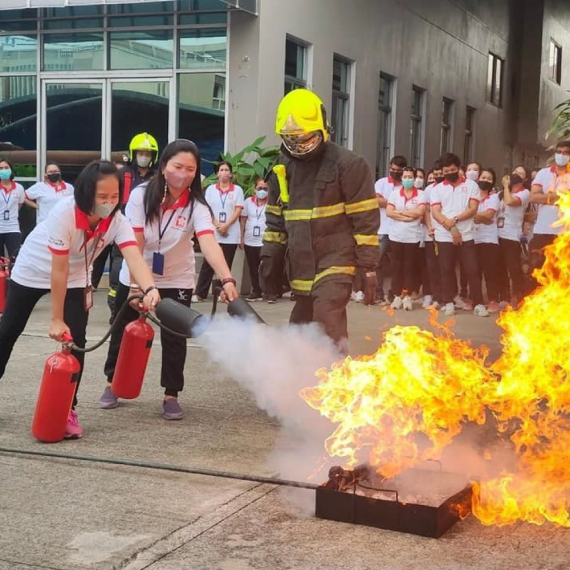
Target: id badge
(6,215)
(222,217)
(501,223)
(88,298)
(158,263)
(256,231)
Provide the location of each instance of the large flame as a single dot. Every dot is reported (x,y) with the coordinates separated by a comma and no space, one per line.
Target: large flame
(409,400)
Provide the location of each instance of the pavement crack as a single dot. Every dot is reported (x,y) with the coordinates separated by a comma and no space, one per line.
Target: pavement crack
(29,565)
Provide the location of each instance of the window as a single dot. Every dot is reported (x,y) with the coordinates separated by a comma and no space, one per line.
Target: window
(446,125)
(141,50)
(469,134)
(416,128)
(555,62)
(18,54)
(340,101)
(295,65)
(384,142)
(203,49)
(73,52)
(495,80)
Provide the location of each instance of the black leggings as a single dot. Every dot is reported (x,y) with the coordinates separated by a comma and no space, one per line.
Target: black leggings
(206,271)
(511,251)
(432,260)
(173,347)
(19,306)
(488,258)
(11,241)
(404,266)
(253,256)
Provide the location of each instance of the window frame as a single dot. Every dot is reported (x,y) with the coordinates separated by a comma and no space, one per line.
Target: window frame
(345,98)
(469,135)
(417,121)
(446,125)
(495,80)
(296,82)
(555,67)
(385,111)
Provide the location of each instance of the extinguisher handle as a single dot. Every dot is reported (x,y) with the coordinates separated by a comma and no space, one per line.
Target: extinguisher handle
(66,337)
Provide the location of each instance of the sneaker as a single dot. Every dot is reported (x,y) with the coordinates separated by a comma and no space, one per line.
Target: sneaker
(449,310)
(397,303)
(271,299)
(73,429)
(480,311)
(407,303)
(461,304)
(171,409)
(428,300)
(381,302)
(359,296)
(254,297)
(196,299)
(108,400)
(493,307)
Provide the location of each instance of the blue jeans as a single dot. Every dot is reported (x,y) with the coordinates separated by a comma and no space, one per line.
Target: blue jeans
(384,246)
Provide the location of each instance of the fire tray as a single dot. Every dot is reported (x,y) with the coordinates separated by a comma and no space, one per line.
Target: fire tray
(422,502)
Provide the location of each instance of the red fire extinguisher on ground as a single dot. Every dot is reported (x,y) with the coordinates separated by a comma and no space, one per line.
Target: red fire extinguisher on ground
(4,276)
(133,359)
(55,399)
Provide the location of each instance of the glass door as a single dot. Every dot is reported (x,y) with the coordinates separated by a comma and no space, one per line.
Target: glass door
(73,129)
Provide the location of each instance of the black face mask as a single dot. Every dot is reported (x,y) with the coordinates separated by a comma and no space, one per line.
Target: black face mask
(516,179)
(396,175)
(439,179)
(485,186)
(55,177)
(452,177)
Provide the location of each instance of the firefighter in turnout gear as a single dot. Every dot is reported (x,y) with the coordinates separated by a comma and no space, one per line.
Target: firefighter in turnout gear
(322,218)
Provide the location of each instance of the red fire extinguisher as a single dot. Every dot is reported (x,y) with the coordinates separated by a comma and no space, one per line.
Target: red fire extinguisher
(4,276)
(133,358)
(61,372)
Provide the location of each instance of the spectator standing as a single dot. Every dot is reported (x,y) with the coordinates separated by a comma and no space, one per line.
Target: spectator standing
(12,197)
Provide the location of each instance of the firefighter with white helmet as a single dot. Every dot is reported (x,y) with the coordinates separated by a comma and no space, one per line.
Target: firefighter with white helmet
(322,218)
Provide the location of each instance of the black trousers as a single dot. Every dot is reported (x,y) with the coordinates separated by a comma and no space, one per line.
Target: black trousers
(19,306)
(449,253)
(536,251)
(432,262)
(511,255)
(326,305)
(253,256)
(11,241)
(99,265)
(116,261)
(173,347)
(488,259)
(421,279)
(206,272)
(404,266)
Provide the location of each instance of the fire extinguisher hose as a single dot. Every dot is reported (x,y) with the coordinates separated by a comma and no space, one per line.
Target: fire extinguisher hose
(161,467)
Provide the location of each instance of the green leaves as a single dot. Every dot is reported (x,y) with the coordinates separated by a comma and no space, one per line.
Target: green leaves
(561,126)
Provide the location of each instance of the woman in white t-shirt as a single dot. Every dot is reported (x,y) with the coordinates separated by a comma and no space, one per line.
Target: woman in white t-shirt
(406,207)
(252,228)
(516,198)
(487,237)
(43,196)
(226,201)
(11,199)
(58,256)
(165,214)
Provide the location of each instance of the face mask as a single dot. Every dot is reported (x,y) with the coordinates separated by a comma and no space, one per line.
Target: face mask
(452,177)
(561,159)
(104,210)
(54,177)
(261,194)
(472,175)
(143,161)
(397,176)
(5,174)
(516,179)
(407,182)
(485,186)
(439,179)
(419,183)
(178,180)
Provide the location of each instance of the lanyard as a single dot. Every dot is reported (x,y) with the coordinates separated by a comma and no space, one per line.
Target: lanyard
(162,231)
(6,201)
(88,264)
(258,213)
(223,201)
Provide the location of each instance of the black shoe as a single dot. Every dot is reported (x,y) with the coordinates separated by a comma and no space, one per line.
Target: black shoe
(271,299)
(254,297)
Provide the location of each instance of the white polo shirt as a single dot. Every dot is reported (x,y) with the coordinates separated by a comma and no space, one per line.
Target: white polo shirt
(10,201)
(177,224)
(485,233)
(64,233)
(384,187)
(548,180)
(406,232)
(510,218)
(225,204)
(255,223)
(423,228)
(454,201)
(47,195)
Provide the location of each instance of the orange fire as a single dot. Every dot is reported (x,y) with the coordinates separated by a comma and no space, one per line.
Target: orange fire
(408,401)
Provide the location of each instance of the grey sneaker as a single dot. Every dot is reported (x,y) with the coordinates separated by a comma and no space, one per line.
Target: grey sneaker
(108,400)
(172,410)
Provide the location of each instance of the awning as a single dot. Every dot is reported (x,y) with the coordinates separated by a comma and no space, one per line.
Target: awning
(245,5)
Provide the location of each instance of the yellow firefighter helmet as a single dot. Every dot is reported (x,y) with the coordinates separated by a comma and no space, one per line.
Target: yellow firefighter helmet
(143,141)
(301,112)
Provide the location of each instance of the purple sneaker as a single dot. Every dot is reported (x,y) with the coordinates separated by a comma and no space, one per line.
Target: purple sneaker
(171,409)
(108,400)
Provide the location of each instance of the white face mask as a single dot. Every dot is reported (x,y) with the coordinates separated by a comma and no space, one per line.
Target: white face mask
(143,161)
(104,210)
(472,175)
(261,194)
(561,159)
(419,183)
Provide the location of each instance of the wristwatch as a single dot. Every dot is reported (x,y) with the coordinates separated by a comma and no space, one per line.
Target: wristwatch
(455,219)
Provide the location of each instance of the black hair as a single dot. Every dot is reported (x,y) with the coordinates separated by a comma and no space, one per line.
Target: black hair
(13,175)
(527,171)
(410,169)
(436,165)
(419,169)
(491,171)
(476,163)
(399,160)
(86,184)
(563,144)
(222,163)
(449,159)
(51,163)
(154,194)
